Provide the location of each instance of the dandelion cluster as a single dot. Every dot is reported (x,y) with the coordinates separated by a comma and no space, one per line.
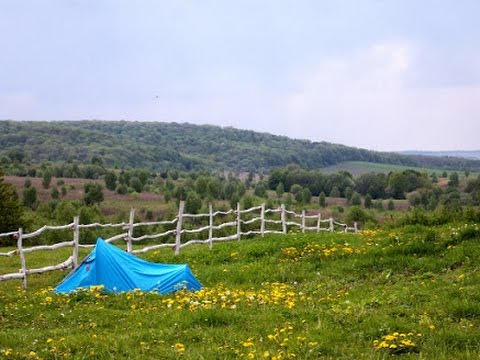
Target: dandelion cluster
(284,342)
(398,343)
(225,298)
(295,254)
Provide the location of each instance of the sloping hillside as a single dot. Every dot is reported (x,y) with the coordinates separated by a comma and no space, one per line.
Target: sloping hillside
(159,146)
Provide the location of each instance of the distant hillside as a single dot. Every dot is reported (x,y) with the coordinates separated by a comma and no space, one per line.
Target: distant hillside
(160,146)
(475,154)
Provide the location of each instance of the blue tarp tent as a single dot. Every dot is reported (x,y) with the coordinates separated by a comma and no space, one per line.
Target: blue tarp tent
(119,271)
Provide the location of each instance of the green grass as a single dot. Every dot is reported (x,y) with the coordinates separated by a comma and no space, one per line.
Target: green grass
(362,167)
(313,296)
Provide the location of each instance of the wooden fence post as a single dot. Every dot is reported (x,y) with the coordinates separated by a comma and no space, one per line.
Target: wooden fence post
(76,240)
(262,221)
(331,225)
(303,221)
(319,221)
(210,229)
(23,270)
(130,230)
(178,235)
(239,225)
(283,219)
(355,227)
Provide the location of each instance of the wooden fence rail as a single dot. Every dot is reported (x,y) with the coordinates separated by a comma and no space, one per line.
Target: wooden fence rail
(178,222)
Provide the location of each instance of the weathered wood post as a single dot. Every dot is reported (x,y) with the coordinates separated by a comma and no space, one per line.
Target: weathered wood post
(303,221)
(178,234)
(210,229)
(283,219)
(319,222)
(76,240)
(262,221)
(345,228)
(23,270)
(130,230)
(239,225)
(331,225)
(355,227)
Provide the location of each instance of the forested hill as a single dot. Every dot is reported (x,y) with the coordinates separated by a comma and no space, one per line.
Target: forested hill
(159,146)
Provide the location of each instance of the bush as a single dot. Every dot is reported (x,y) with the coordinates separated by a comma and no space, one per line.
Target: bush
(357,214)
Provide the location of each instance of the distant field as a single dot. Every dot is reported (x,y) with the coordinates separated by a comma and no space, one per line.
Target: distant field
(362,167)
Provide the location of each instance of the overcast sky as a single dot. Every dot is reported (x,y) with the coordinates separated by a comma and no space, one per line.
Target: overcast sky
(377,74)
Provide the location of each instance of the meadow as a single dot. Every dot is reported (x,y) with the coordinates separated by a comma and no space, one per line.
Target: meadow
(408,293)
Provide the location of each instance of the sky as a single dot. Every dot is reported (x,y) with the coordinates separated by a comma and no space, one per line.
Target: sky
(386,75)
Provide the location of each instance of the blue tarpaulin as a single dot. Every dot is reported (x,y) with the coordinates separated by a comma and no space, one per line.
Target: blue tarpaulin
(120,271)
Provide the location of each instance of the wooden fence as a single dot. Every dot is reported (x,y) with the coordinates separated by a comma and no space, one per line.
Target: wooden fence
(285,218)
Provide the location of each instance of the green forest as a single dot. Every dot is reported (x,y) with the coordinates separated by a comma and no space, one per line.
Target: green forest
(159,146)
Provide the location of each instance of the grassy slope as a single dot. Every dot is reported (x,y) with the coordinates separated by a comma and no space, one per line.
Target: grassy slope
(362,167)
(338,294)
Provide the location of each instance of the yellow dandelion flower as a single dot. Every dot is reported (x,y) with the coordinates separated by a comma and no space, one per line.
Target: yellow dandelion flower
(180,347)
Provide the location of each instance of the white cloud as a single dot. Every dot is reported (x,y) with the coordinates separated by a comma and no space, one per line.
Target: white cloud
(363,99)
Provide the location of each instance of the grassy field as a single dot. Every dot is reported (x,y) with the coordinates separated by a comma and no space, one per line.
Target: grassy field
(407,293)
(362,167)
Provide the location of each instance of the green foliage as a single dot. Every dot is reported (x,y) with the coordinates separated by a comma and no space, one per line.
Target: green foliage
(260,190)
(306,196)
(453,179)
(322,200)
(160,146)
(335,193)
(30,197)
(357,214)
(54,193)
(248,201)
(356,199)
(367,201)
(280,189)
(93,194)
(193,203)
(136,184)
(390,205)
(110,180)
(47,178)
(122,189)
(11,212)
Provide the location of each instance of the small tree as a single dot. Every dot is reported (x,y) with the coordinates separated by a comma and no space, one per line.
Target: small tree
(247,201)
(54,193)
(348,193)
(47,178)
(260,190)
(453,179)
(110,180)
(11,211)
(335,192)
(306,195)
(30,197)
(93,194)
(367,201)
(136,184)
(391,205)
(280,189)
(356,199)
(322,200)
(193,203)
